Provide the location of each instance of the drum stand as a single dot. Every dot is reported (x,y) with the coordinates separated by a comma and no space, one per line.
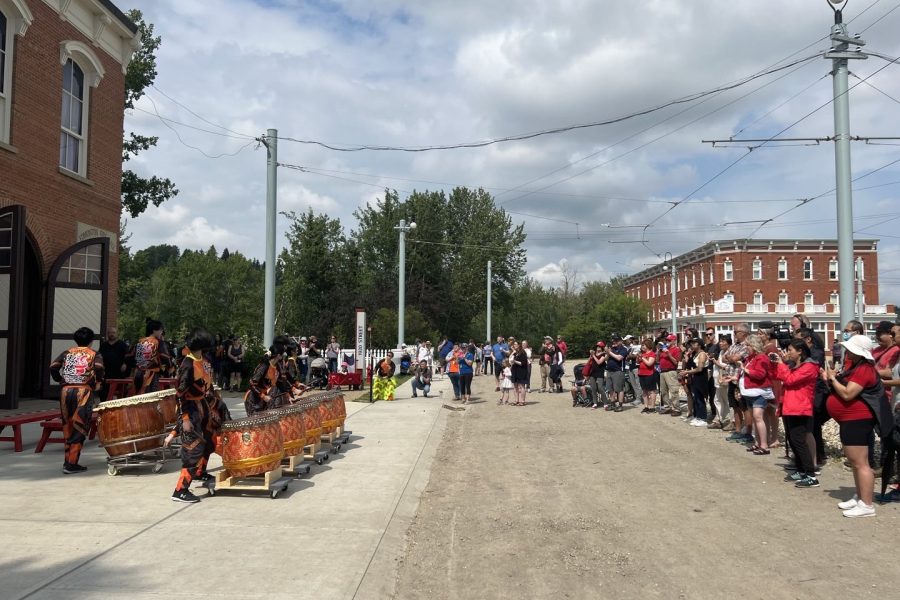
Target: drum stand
(271,482)
(293,466)
(313,452)
(143,458)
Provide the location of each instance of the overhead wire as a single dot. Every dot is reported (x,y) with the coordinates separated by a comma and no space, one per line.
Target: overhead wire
(200,150)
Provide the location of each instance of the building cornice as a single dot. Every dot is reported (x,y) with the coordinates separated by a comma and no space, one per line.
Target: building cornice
(103,24)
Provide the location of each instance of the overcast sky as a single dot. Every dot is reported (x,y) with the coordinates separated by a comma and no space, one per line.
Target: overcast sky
(436,72)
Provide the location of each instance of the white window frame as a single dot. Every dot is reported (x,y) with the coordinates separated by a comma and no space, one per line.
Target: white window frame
(18,18)
(728,296)
(693,278)
(808,269)
(756,269)
(783,298)
(808,298)
(833,269)
(728,270)
(757,299)
(782,270)
(80,137)
(834,298)
(82,55)
(859,270)
(702,276)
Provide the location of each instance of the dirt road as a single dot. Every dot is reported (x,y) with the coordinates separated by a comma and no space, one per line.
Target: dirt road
(552,501)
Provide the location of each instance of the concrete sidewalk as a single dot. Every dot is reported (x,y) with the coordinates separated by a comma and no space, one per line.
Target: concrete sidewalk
(336,533)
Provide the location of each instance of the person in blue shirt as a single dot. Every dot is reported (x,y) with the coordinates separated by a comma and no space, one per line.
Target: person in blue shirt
(616,357)
(466,360)
(500,351)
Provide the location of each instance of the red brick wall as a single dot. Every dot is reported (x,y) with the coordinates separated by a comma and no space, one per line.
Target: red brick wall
(55,202)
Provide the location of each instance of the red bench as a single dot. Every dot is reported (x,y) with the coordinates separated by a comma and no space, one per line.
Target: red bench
(16,422)
(53,425)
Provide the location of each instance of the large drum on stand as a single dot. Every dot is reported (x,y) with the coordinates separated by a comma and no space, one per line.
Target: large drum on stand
(252,445)
(327,411)
(130,425)
(293,428)
(340,410)
(312,419)
(168,408)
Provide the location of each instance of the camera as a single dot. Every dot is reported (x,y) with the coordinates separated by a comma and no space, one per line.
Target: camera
(781,332)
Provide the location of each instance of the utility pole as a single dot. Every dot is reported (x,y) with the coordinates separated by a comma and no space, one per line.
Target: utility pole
(839,54)
(401,292)
(670,266)
(860,302)
(271,142)
(488,336)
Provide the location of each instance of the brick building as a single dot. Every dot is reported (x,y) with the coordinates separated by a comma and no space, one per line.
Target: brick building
(62,90)
(726,282)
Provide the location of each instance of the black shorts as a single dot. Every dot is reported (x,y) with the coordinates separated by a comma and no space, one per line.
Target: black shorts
(649,383)
(732,396)
(857,432)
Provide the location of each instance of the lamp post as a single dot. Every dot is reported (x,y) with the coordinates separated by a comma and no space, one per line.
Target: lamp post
(403,227)
(670,266)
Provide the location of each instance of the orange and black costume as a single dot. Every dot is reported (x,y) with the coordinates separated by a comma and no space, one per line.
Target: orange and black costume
(268,386)
(195,395)
(80,370)
(149,356)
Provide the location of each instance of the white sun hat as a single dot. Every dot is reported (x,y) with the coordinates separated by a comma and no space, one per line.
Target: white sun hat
(860,345)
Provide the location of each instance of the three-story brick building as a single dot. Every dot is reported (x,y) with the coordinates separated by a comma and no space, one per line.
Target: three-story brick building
(726,282)
(62,94)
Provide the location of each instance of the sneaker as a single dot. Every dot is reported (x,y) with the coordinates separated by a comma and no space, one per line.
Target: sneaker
(69,469)
(848,504)
(185,496)
(618,408)
(608,407)
(860,510)
(892,496)
(729,427)
(794,477)
(808,482)
(733,437)
(204,477)
(714,425)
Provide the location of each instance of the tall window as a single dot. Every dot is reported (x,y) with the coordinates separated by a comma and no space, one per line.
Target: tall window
(5,77)
(757,269)
(808,299)
(782,270)
(833,269)
(728,270)
(84,266)
(782,298)
(833,298)
(757,298)
(712,277)
(702,276)
(859,269)
(693,278)
(808,269)
(71,141)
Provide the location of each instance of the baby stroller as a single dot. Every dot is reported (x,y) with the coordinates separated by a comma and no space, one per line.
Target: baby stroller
(318,373)
(405,362)
(582,394)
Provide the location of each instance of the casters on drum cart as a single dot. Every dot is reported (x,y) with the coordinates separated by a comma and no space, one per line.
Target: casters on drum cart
(335,448)
(112,470)
(210,486)
(302,470)
(321,456)
(345,437)
(274,493)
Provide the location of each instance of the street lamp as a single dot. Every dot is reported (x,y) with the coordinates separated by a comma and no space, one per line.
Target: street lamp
(670,266)
(403,227)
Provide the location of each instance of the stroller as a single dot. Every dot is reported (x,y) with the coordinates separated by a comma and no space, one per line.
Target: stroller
(405,362)
(582,394)
(318,373)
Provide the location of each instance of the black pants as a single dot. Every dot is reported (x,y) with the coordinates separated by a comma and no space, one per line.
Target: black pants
(798,428)
(465,384)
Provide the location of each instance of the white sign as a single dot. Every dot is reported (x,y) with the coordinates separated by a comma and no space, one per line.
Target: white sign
(360,340)
(83,231)
(724,305)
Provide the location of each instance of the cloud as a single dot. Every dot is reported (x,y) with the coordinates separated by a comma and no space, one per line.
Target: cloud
(431,72)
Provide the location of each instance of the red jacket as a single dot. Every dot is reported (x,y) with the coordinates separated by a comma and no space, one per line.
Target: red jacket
(758,372)
(799,387)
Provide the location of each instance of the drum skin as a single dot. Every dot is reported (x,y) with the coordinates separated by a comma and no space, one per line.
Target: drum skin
(252,445)
(312,419)
(293,428)
(121,421)
(168,406)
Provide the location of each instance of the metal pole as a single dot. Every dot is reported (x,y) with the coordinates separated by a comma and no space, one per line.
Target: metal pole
(488,336)
(401,293)
(674,301)
(839,54)
(271,213)
(860,307)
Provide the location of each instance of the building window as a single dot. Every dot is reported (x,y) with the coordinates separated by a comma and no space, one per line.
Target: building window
(757,269)
(782,298)
(702,276)
(72,138)
(83,266)
(6,223)
(833,298)
(859,269)
(808,269)
(757,298)
(808,299)
(729,297)
(693,278)
(6,41)
(712,276)
(782,270)
(833,269)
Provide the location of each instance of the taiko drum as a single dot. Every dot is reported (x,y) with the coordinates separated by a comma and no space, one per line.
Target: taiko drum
(121,422)
(312,419)
(168,408)
(252,445)
(293,428)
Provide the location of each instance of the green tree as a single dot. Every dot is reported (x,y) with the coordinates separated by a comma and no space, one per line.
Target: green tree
(139,192)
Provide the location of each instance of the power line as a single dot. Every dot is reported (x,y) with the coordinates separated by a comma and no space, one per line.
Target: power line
(205,120)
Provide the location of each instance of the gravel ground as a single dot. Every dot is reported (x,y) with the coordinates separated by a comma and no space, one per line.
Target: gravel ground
(553,501)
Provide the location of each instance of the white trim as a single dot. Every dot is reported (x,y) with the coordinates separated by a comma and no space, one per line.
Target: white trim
(85,121)
(96,23)
(22,20)
(72,49)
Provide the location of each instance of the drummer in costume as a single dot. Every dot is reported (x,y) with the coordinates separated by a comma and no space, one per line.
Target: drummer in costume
(196,425)
(268,384)
(150,355)
(80,370)
(384,384)
(292,371)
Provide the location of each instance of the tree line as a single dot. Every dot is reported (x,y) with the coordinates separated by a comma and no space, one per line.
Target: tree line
(325,272)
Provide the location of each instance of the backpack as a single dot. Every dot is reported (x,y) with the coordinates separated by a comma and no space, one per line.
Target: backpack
(585,370)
